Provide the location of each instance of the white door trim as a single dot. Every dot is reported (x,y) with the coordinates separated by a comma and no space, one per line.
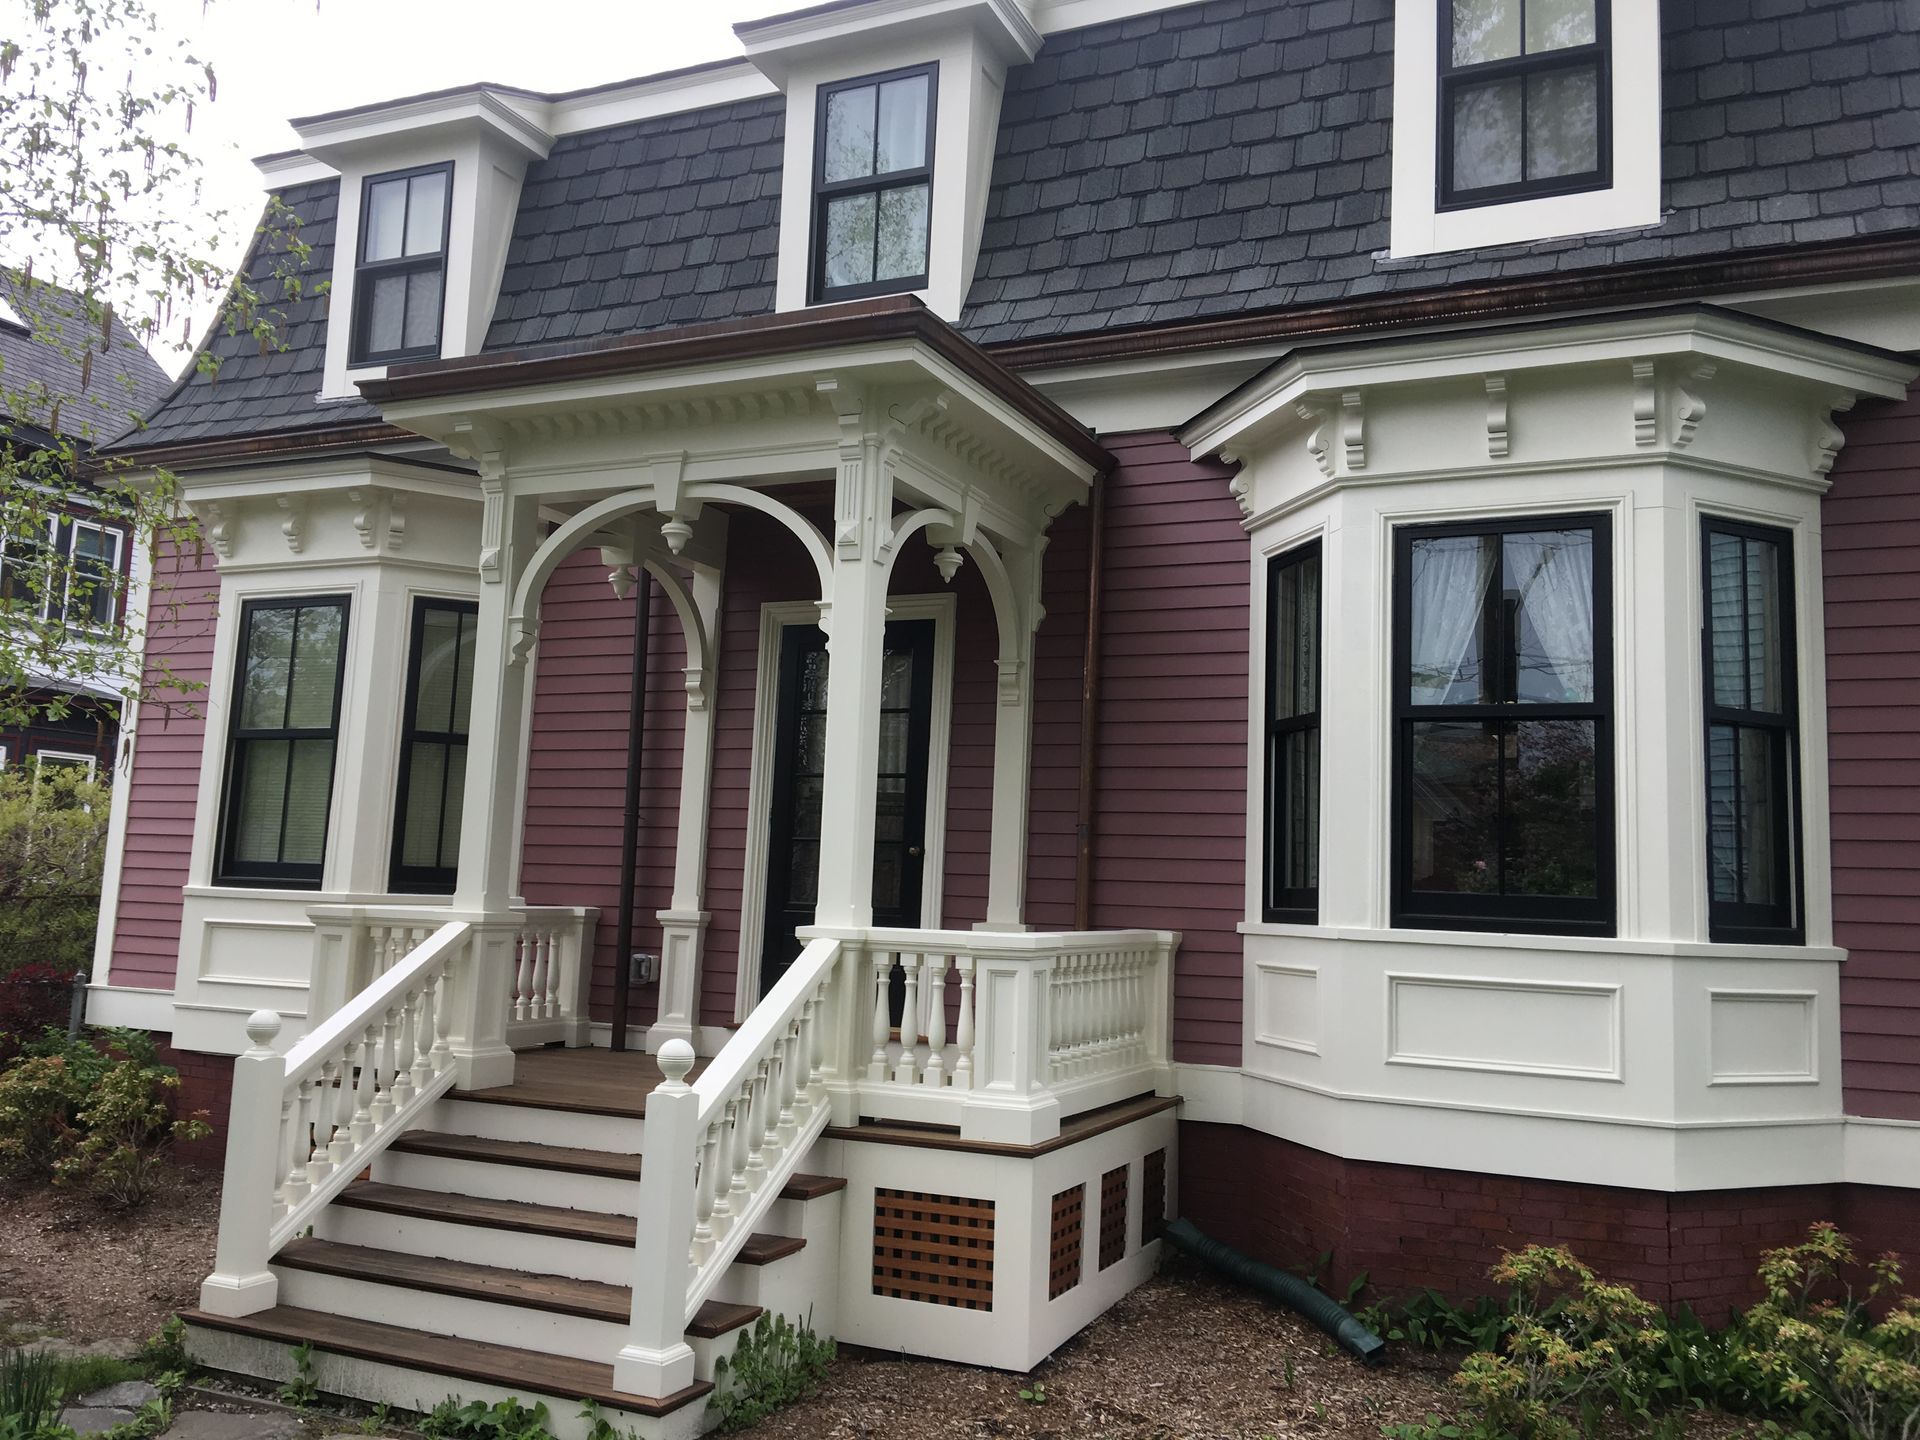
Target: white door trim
(775,616)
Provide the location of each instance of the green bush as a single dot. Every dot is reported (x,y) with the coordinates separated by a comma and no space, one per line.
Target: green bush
(776,1364)
(53,843)
(99,1116)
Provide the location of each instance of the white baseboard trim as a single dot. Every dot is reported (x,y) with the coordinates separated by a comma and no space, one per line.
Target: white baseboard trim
(1212,1094)
(707,1039)
(1883,1152)
(130,1006)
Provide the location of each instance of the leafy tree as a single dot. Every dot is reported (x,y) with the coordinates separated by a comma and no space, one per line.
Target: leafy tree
(104,245)
(53,841)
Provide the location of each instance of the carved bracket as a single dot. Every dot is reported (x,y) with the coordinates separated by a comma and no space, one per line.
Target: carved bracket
(294,527)
(217,526)
(493,513)
(522,631)
(1319,438)
(1689,408)
(1497,417)
(1646,404)
(1829,437)
(1353,429)
(1240,484)
(1013,680)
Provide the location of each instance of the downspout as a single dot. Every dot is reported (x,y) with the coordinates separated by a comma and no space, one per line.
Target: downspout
(1089,710)
(630,817)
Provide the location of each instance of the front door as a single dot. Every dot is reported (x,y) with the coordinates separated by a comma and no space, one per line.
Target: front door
(800,749)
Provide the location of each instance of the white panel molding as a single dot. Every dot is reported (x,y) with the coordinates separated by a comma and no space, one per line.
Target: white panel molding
(1763,1037)
(1532,1019)
(1285,1006)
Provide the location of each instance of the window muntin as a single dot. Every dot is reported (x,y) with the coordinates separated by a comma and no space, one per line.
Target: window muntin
(26,569)
(1290,889)
(81,555)
(433,747)
(1752,734)
(873,184)
(93,576)
(284,732)
(1523,99)
(1503,726)
(399,283)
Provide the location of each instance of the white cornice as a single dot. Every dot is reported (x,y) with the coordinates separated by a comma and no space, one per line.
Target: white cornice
(773,45)
(508,117)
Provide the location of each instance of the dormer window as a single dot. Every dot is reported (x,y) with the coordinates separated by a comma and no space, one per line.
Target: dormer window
(1523,99)
(399,284)
(873,184)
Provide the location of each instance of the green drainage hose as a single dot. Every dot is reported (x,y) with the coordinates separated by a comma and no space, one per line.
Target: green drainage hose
(1355,1338)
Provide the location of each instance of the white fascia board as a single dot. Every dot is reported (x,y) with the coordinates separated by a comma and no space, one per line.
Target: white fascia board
(131,1007)
(1883,1152)
(298,168)
(774,45)
(484,110)
(1587,340)
(1052,17)
(296,479)
(647,98)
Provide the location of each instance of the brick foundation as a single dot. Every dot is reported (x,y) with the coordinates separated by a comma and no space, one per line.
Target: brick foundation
(1408,1226)
(206,1083)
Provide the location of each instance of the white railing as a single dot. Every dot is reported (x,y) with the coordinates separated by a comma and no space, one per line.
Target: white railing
(548,974)
(304,1124)
(1002,1033)
(716,1155)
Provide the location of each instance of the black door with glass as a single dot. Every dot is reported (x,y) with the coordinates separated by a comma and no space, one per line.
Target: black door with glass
(800,752)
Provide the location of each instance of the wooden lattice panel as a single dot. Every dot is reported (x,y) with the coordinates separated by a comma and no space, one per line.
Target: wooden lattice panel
(1113,1216)
(1069,1229)
(1153,1197)
(934,1248)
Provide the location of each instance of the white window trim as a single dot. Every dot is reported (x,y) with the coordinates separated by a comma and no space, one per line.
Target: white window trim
(89,763)
(1631,201)
(113,564)
(775,617)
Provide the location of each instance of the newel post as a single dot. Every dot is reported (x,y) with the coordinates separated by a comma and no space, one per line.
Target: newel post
(241,1283)
(479,996)
(336,973)
(656,1359)
(1011,1100)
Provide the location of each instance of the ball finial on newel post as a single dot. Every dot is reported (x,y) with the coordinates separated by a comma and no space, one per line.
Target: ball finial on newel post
(263,1028)
(676,1060)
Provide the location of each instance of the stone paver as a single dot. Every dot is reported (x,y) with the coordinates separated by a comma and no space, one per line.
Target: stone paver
(92,1419)
(127,1395)
(222,1425)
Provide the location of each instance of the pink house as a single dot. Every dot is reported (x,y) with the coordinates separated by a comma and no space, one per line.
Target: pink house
(1290,613)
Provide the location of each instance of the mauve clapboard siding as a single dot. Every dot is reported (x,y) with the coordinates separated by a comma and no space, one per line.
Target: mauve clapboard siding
(1870,550)
(577,765)
(164,786)
(1171,798)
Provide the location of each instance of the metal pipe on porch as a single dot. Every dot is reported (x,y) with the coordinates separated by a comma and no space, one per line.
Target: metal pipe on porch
(1089,710)
(630,816)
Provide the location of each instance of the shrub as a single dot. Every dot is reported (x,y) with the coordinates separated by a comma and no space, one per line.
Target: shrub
(776,1364)
(53,842)
(1817,1343)
(32,998)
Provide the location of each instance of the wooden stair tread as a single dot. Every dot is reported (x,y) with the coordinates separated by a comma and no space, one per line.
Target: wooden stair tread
(532,1155)
(528,1371)
(561,1294)
(530,1219)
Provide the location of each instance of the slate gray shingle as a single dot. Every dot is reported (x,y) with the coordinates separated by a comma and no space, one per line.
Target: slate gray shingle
(41,366)
(1218,159)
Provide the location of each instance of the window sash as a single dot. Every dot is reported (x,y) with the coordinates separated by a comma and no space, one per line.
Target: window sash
(420,744)
(301,748)
(1293,746)
(1494,910)
(1781,921)
(367,272)
(825,191)
(1523,67)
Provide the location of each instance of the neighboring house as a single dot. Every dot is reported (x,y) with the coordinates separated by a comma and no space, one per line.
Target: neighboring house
(44,331)
(1370,562)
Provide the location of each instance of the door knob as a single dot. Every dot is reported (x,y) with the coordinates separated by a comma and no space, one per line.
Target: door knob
(913,850)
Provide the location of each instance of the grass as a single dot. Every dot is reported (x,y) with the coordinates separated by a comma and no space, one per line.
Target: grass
(84,1374)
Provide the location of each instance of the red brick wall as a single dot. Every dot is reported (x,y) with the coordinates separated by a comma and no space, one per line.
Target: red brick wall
(1409,1226)
(206,1083)
(1870,549)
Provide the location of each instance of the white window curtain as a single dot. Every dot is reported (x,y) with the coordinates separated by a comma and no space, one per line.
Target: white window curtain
(1450,576)
(1553,571)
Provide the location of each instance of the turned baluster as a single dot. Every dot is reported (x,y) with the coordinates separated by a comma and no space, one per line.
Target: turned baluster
(789,1083)
(739,1121)
(313,1126)
(323,1109)
(339,1106)
(539,1006)
(809,1073)
(282,1141)
(363,1089)
(720,1160)
(936,1019)
(904,1069)
(295,1111)
(770,1143)
(523,974)
(963,1033)
(382,1108)
(757,1127)
(423,1036)
(442,1021)
(401,1081)
(882,974)
(704,1196)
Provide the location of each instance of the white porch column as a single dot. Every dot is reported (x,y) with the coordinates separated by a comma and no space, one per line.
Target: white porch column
(496,737)
(1013,580)
(683,925)
(855,619)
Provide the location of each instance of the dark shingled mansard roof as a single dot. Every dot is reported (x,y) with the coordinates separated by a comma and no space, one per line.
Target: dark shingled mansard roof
(42,365)
(1216,160)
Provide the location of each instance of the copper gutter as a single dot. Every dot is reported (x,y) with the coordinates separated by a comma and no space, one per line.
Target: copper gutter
(261,447)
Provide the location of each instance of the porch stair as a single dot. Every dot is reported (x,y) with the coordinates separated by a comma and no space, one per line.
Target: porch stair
(475,1262)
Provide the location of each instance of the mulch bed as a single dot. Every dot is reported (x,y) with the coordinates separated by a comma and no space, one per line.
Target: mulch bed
(71,1267)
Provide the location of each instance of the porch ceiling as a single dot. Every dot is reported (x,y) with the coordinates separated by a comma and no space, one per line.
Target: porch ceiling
(758,402)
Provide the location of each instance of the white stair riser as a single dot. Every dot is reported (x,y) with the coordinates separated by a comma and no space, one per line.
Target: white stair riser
(462,1317)
(392,1383)
(477,1244)
(614,1134)
(564,1188)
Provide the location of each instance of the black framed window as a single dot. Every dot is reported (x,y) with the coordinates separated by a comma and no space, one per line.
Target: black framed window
(26,568)
(399,285)
(873,184)
(281,741)
(433,747)
(1752,734)
(1524,104)
(1291,891)
(93,579)
(1503,726)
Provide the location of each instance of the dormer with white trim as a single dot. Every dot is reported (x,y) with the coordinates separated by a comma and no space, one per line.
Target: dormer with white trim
(428,191)
(892,109)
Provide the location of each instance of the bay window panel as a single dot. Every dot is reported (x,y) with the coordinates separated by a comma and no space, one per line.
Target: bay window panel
(309,783)
(1563,133)
(1291,868)
(420,826)
(387,310)
(269,669)
(900,240)
(1486,135)
(901,141)
(850,126)
(1550,777)
(316,672)
(426,212)
(1551,576)
(850,226)
(262,802)
(420,325)
(386,220)
(1451,575)
(433,747)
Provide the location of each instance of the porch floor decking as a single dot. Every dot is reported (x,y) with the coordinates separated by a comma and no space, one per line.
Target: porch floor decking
(591,1081)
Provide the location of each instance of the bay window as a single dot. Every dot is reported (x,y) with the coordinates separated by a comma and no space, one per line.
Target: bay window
(1291,891)
(399,284)
(873,184)
(1523,99)
(433,747)
(281,744)
(1503,726)
(1752,734)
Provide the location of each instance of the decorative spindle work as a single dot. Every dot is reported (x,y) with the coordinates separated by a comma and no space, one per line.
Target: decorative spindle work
(1069,1234)
(933,1248)
(1113,1216)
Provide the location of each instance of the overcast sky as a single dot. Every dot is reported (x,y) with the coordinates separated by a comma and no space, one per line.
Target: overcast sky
(275,59)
